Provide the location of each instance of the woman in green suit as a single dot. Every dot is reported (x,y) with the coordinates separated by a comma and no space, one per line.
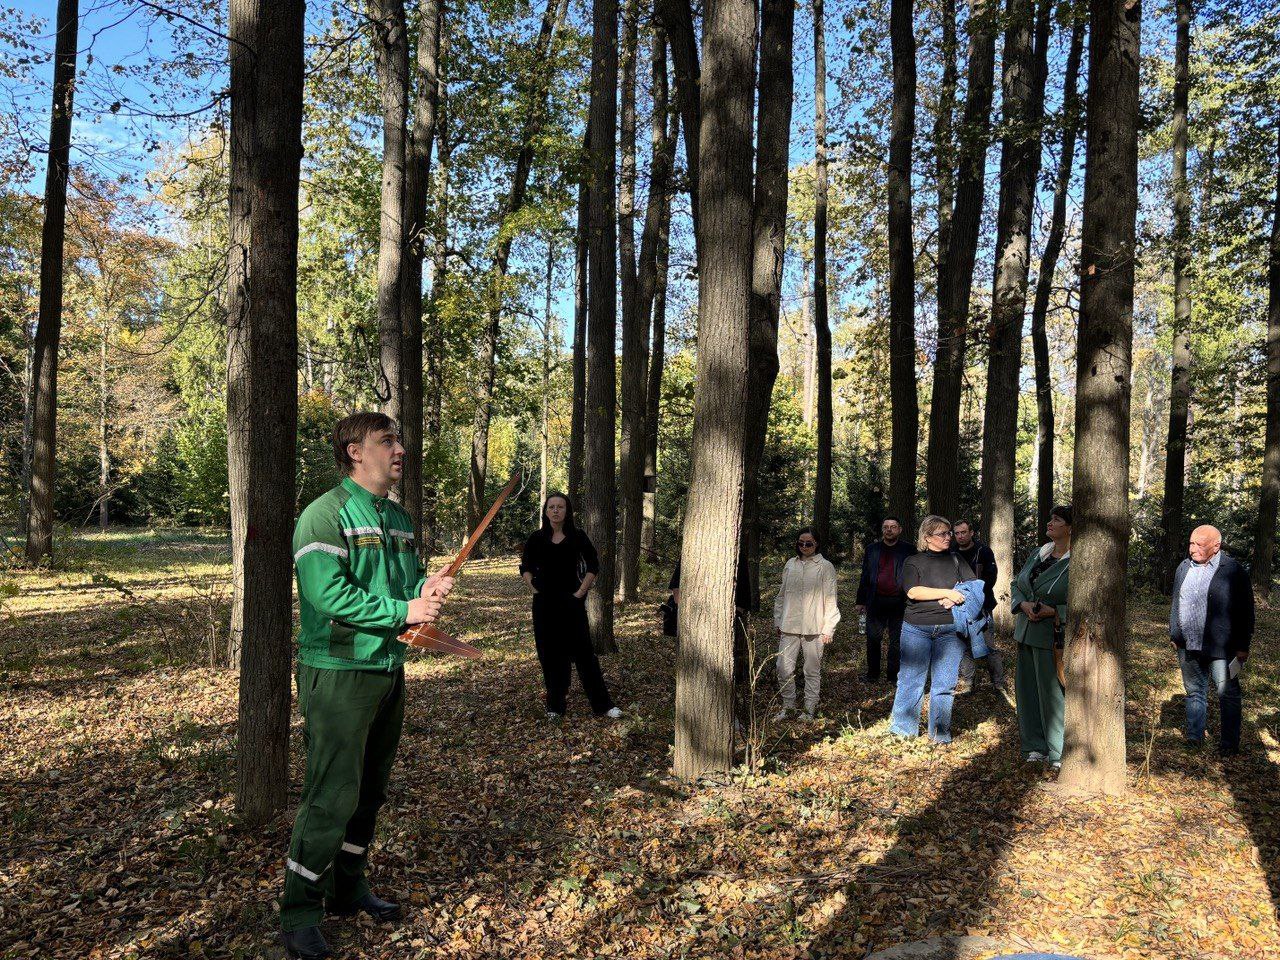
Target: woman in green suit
(1040,612)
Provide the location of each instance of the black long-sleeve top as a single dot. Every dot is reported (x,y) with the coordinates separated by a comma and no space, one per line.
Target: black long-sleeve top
(559,567)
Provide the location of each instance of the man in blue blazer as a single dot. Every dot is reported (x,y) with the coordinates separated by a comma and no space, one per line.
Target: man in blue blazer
(1211,625)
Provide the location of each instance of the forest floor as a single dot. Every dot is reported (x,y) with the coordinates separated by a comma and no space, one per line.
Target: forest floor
(506,837)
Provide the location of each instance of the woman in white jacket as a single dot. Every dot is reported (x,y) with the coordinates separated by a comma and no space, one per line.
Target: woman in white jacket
(806,615)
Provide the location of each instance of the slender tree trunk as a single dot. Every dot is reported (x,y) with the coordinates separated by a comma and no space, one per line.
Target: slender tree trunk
(417,183)
(634,330)
(601,396)
(1094,756)
(943,477)
(49,325)
(677,19)
(391,49)
(821,322)
(546,373)
(1071,115)
(704,667)
(552,18)
(1264,540)
(269,73)
(1175,464)
(902,268)
(1023,90)
(104,451)
(434,386)
(581,244)
(944,139)
(653,397)
(28,427)
(768,239)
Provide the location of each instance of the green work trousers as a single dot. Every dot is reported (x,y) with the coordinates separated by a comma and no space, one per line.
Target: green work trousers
(351,727)
(1041,702)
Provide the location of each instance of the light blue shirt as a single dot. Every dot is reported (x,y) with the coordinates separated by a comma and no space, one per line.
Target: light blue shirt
(1194,598)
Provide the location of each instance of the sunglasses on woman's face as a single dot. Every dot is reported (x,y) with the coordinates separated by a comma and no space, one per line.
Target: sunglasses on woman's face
(806,543)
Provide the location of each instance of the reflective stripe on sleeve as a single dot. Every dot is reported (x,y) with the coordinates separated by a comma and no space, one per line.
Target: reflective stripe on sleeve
(302,871)
(352,848)
(357,531)
(326,547)
(402,534)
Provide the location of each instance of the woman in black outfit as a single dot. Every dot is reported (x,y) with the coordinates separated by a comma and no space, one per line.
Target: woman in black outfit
(560,564)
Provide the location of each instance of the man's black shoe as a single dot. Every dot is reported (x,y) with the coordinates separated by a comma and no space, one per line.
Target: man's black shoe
(305,944)
(374,907)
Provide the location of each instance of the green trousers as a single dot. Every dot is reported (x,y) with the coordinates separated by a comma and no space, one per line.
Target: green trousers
(351,727)
(1041,702)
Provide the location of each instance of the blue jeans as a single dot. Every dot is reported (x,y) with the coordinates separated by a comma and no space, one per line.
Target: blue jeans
(1196,674)
(925,651)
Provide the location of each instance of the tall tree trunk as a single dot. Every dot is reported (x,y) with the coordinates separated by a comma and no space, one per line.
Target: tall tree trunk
(417,183)
(1023,90)
(104,451)
(391,51)
(944,146)
(821,322)
(653,396)
(704,666)
(677,20)
(544,434)
(28,429)
(1175,464)
(902,268)
(768,240)
(266,80)
(44,418)
(1264,540)
(552,18)
(434,385)
(601,396)
(1094,755)
(1045,434)
(581,244)
(634,331)
(943,477)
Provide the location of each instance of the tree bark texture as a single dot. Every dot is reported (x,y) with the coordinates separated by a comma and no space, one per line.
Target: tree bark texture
(902,268)
(598,499)
(1173,545)
(417,182)
(1093,759)
(270,75)
(943,476)
(552,18)
(104,432)
(677,19)
(1264,541)
(1023,92)
(391,50)
(944,146)
(433,388)
(821,321)
(581,242)
(634,331)
(704,666)
(769,243)
(44,421)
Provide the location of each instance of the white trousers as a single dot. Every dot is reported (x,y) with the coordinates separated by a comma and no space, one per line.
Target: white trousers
(789,648)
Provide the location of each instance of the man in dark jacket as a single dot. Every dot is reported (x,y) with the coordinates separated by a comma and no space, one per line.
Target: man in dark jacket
(1211,624)
(880,595)
(965,542)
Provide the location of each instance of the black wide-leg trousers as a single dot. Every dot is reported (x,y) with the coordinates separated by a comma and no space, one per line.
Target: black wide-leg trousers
(563,640)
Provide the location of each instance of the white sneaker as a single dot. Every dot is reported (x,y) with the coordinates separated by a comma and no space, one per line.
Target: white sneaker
(553,716)
(614,713)
(1035,756)
(1056,765)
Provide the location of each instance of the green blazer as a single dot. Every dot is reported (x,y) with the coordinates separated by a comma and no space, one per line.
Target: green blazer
(1050,588)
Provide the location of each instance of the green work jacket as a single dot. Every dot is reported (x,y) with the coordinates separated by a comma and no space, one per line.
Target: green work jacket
(1050,588)
(357,570)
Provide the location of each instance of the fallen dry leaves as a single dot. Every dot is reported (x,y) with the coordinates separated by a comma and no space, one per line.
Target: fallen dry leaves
(505,837)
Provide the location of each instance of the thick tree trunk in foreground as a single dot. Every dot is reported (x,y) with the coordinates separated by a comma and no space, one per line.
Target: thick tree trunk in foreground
(262,375)
(1094,756)
(391,50)
(768,239)
(552,18)
(1023,87)
(635,359)
(902,268)
(1044,280)
(821,322)
(704,667)
(1173,544)
(943,477)
(1264,541)
(581,241)
(417,181)
(598,499)
(44,419)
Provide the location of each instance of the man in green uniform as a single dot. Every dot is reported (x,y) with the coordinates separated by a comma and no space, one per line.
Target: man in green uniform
(359,585)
